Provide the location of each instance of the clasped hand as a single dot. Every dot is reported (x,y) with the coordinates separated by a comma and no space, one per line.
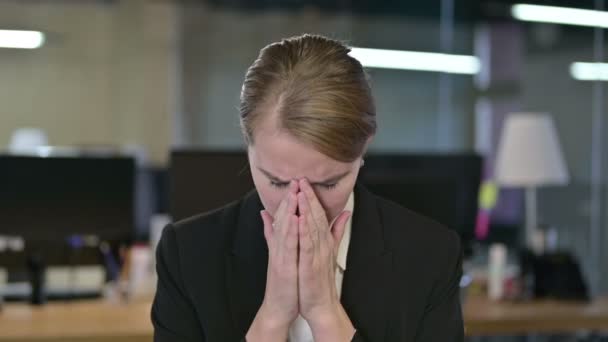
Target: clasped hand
(302,250)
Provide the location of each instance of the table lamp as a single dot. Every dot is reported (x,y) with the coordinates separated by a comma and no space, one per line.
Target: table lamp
(529,156)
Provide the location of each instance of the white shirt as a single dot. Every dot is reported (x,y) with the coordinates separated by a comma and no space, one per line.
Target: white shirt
(299,331)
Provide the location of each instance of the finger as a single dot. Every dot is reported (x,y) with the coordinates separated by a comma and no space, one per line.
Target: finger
(291,240)
(280,213)
(291,207)
(337,231)
(306,243)
(287,232)
(315,206)
(308,219)
(267,219)
(292,203)
(294,186)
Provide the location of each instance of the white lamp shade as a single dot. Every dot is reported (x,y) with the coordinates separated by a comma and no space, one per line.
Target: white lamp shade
(529,153)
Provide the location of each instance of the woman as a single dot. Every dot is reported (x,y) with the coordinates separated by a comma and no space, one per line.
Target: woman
(287,262)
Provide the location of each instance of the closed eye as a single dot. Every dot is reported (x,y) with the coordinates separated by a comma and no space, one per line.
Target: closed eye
(278,184)
(328,186)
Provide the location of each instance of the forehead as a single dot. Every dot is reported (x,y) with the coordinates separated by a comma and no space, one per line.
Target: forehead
(285,157)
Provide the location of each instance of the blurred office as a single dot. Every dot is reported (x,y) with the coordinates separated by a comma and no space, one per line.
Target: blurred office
(118,116)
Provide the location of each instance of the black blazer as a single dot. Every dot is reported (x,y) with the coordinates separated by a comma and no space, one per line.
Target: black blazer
(400,284)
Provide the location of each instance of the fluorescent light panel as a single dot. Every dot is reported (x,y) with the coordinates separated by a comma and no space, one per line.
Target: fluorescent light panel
(589,71)
(412,60)
(14,39)
(560,15)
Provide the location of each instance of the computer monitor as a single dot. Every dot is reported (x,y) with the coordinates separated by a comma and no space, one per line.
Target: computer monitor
(443,187)
(47,199)
(200,181)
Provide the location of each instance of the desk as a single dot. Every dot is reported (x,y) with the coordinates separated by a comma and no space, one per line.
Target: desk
(101,321)
(486,318)
(94,321)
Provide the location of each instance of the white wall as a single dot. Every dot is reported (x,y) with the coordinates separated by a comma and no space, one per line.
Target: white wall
(104,76)
(220,45)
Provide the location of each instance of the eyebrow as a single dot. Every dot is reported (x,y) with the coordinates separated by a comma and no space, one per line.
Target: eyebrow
(330,180)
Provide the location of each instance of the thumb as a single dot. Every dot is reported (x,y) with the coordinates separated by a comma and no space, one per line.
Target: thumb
(268,230)
(337,231)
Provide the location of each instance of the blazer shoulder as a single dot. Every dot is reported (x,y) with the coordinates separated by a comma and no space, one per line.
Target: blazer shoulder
(207,231)
(405,227)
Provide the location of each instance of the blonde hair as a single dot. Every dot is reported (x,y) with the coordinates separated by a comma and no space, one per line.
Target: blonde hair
(320,93)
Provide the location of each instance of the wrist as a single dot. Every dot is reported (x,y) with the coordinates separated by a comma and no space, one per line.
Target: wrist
(331,324)
(267,327)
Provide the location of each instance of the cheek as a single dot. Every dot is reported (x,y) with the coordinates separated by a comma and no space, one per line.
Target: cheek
(270,197)
(328,199)
(333,201)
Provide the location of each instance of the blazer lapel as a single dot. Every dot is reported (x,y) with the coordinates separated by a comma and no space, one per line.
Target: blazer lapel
(366,289)
(246,266)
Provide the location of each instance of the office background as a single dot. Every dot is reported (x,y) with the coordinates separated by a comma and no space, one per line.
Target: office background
(151,76)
